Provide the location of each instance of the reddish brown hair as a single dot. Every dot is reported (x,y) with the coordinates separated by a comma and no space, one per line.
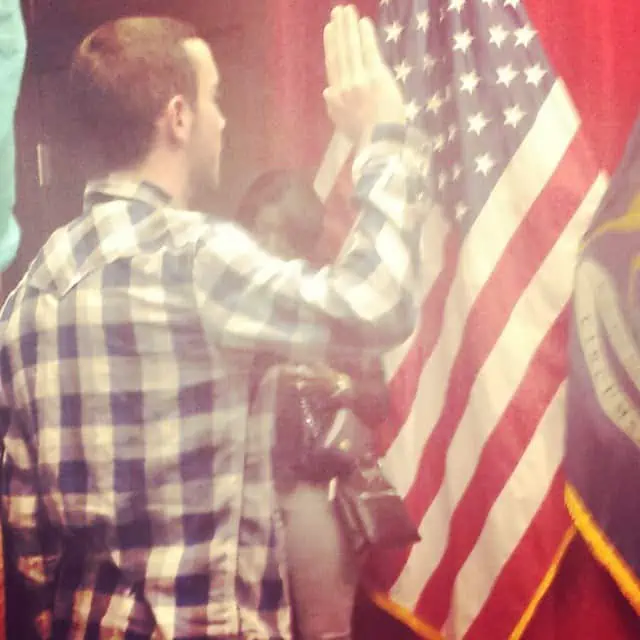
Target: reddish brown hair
(122,77)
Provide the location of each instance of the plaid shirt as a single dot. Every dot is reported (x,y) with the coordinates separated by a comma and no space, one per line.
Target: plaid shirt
(137,490)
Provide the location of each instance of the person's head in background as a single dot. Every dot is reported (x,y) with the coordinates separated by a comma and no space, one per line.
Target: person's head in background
(282,211)
(146,91)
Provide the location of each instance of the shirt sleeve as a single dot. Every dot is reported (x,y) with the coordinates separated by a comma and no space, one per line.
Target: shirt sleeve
(12,56)
(29,538)
(365,301)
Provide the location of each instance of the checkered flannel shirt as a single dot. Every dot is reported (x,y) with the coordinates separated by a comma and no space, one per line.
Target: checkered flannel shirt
(137,490)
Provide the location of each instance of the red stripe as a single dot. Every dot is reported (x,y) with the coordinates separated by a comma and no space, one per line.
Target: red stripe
(520,576)
(404,384)
(522,258)
(499,458)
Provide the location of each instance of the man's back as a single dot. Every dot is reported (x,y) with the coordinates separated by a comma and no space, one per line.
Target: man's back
(123,413)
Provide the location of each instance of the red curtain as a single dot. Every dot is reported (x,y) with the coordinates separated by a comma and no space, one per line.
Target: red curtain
(594,46)
(300,131)
(298,126)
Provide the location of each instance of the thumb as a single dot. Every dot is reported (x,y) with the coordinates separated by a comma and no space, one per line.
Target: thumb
(331,97)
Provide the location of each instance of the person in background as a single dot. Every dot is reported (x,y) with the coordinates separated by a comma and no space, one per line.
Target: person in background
(136,494)
(283,212)
(13,47)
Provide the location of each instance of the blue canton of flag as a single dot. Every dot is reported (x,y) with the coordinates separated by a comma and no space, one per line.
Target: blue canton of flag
(474,76)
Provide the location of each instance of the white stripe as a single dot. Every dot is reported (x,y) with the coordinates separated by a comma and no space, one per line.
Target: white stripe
(505,525)
(497,381)
(521,183)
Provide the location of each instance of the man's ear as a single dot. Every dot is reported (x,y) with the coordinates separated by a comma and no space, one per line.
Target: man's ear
(179,119)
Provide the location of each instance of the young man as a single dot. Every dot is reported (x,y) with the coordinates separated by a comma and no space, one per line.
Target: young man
(137,488)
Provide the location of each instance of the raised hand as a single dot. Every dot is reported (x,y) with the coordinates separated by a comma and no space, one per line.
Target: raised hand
(361,89)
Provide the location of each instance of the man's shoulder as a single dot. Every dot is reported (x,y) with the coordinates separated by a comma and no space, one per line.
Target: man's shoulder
(185,225)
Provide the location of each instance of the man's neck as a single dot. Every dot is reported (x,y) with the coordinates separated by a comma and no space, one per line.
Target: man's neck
(164,174)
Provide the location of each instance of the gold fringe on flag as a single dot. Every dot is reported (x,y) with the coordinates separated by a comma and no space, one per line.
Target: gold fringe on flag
(602,548)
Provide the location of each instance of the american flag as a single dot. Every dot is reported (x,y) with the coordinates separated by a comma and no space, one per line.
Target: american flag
(476,439)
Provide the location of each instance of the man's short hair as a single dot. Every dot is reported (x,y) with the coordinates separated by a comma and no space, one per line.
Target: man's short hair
(122,77)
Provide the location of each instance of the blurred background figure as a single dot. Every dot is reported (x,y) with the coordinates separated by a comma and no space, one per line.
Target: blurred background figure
(13,49)
(13,46)
(283,212)
(281,209)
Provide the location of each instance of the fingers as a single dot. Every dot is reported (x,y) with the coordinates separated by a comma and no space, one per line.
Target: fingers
(343,48)
(360,86)
(371,54)
(353,63)
(344,43)
(331,55)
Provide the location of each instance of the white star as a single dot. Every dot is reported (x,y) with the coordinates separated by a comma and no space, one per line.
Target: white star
(394,31)
(456,172)
(484,164)
(434,103)
(513,115)
(442,180)
(498,35)
(489,3)
(469,82)
(428,63)
(461,210)
(524,35)
(511,3)
(411,110)
(424,20)
(438,142)
(506,75)
(477,123)
(456,5)
(403,70)
(462,40)
(535,74)
(384,3)
(453,132)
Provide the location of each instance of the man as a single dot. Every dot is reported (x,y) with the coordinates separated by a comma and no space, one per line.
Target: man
(137,488)
(13,47)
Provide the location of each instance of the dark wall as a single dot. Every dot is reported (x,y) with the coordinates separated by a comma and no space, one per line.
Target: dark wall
(52,159)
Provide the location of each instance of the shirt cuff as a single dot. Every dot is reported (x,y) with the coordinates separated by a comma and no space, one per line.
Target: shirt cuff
(400,156)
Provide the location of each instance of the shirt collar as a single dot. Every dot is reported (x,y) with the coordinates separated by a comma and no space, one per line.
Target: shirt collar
(99,191)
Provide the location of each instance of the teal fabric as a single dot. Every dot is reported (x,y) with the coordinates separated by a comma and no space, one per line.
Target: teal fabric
(13,47)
